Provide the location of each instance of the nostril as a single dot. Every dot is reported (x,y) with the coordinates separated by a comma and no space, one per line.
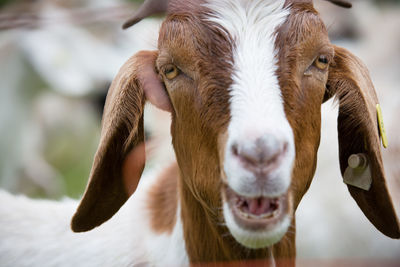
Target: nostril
(285,147)
(261,153)
(235,149)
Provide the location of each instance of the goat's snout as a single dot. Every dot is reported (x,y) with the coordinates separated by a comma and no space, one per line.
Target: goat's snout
(258,162)
(262,154)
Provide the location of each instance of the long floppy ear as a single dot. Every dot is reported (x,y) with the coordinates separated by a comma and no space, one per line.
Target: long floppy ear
(122,132)
(358,133)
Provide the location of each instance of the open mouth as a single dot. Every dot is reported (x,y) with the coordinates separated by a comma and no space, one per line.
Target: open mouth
(259,213)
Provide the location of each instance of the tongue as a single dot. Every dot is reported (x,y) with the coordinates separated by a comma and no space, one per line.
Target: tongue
(259,206)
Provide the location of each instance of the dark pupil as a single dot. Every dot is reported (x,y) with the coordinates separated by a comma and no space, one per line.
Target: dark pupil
(169,70)
(323,60)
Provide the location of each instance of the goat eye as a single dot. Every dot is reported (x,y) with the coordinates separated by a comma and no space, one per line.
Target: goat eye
(171,71)
(322,62)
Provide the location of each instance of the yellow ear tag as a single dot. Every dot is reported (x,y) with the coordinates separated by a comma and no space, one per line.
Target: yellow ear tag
(382,126)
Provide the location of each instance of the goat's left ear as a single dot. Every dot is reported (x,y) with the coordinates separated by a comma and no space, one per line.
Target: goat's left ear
(358,133)
(122,137)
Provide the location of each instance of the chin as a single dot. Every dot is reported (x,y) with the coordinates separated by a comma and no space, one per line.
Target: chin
(257,222)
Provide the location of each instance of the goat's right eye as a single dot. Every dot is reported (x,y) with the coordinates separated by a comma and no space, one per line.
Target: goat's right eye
(171,71)
(322,62)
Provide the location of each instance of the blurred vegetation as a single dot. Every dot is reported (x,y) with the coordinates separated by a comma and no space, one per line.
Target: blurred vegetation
(71,153)
(68,144)
(4,2)
(387,1)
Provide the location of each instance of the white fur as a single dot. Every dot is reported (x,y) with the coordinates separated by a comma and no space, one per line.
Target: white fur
(37,233)
(255,239)
(256,103)
(169,250)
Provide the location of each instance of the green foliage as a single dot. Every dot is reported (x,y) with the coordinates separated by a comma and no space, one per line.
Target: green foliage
(5,2)
(135,1)
(71,153)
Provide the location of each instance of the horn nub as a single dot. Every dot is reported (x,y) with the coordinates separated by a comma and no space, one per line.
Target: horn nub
(344,4)
(148,8)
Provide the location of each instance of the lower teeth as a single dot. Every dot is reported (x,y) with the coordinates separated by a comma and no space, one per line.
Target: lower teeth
(262,216)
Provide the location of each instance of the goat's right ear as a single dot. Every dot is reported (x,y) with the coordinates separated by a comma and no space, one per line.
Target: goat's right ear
(358,133)
(122,132)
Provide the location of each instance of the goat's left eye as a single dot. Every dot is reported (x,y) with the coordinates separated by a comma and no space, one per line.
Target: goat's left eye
(322,62)
(171,71)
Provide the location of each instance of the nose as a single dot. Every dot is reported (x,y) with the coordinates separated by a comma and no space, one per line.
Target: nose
(262,152)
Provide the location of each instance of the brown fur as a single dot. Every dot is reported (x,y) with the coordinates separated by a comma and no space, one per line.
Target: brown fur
(163,201)
(300,40)
(200,115)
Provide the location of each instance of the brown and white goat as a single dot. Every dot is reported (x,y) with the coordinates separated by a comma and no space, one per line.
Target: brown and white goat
(244,82)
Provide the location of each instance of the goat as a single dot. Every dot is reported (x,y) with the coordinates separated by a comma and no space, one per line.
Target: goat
(244,82)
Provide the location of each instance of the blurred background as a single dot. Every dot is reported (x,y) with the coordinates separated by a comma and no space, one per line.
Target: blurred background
(58,58)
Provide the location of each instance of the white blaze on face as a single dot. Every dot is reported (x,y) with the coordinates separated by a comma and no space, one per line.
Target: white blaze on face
(256,103)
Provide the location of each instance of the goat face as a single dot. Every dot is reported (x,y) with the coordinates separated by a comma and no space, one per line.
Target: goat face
(245,82)
(246,102)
